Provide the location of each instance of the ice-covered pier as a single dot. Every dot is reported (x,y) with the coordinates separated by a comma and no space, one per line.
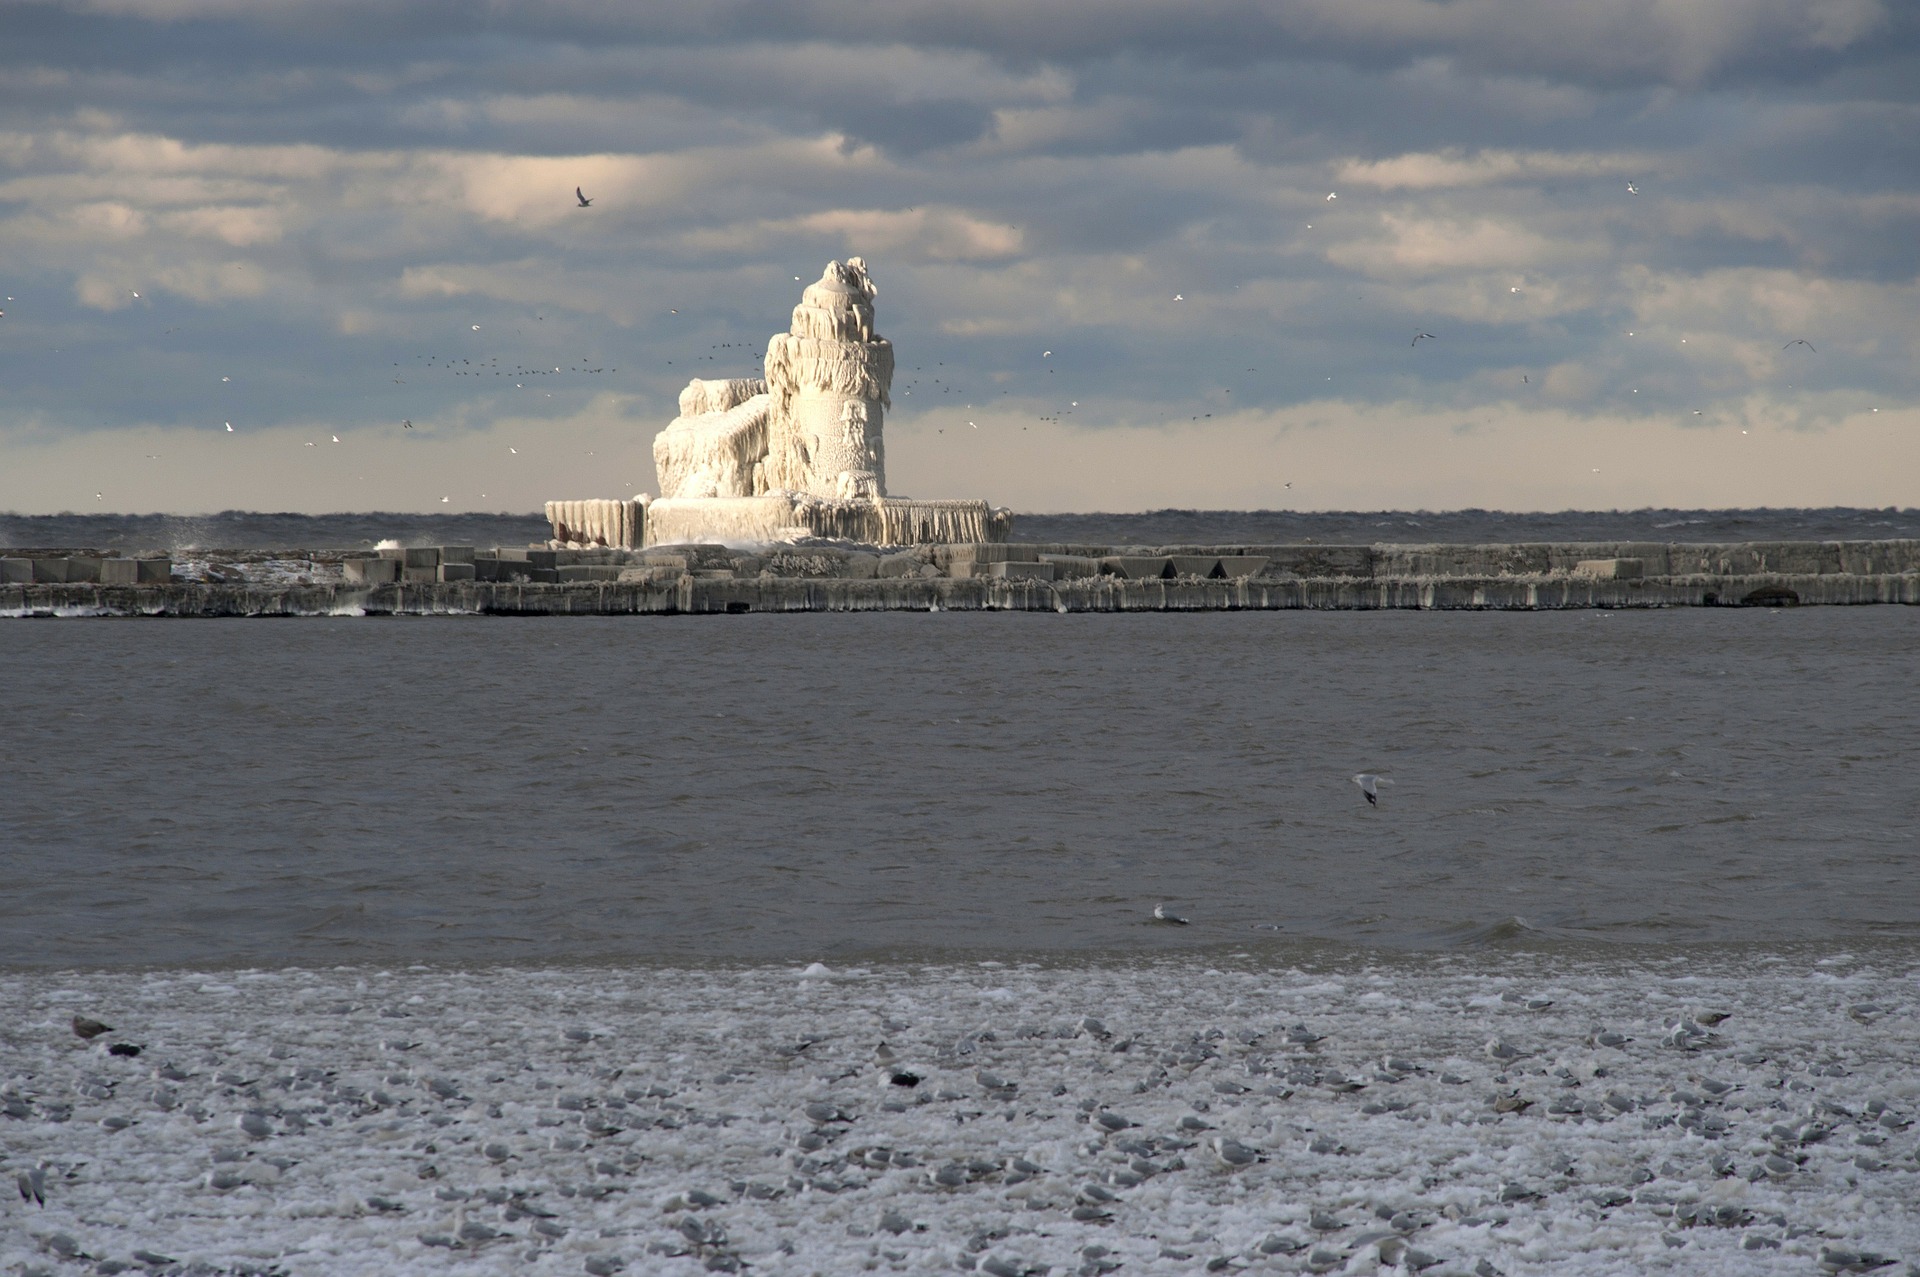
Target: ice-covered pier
(987,576)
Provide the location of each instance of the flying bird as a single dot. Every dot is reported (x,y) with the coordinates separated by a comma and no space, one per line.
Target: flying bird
(1332,196)
(1801,341)
(1420,337)
(582,197)
(1632,189)
(406,425)
(229,427)
(1370,786)
(336,438)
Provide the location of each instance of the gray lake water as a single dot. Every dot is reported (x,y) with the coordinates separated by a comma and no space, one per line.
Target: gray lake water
(765,787)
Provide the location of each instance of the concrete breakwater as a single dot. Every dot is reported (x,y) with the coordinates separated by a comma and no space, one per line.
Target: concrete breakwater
(992,577)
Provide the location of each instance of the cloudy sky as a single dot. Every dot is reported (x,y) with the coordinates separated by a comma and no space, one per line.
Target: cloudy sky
(1132,253)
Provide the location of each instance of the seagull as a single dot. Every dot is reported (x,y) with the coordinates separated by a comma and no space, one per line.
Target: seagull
(1632,189)
(32,1184)
(85,1027)
(1233,1154)
(229,427)
(1160,914)
(406,425)
(336,438)
(444,500)
(309,443)
(1420,337)
(1503,1051)
(1801,341)
(1370,786)
(1179,297)
(1332,196)
(582,197)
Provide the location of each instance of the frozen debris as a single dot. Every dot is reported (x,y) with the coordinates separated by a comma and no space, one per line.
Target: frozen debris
(749,1125)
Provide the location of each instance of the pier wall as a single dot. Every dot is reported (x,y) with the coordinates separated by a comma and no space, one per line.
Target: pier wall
(691,595)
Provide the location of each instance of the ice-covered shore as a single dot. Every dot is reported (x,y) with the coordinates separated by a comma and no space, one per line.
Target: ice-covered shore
(1066,1119)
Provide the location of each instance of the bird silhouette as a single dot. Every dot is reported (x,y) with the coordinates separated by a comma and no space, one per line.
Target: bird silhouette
(581,196)
(1420,337)
(1801,341)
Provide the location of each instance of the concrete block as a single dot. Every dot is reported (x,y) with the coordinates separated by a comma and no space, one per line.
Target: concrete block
(892,565)
(392,552)
(16,571)
(456,553)
(984,552)
(592,572)
(1609,569)
(1015,570)
(1071,566)
(382,571)
(422,556)
(81,569)
(544,558)
(508,552)
(154,571)
(1318,561)
(656,559)
(1195,564)
(119,571)
(543,576)
(1134,568)
(457,572)
(862,566)
(420,576)
(1239,565)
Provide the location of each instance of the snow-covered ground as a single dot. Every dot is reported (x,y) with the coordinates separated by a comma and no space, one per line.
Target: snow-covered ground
(1159,1117)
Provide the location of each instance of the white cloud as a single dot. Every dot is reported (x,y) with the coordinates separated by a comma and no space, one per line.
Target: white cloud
(1436,170)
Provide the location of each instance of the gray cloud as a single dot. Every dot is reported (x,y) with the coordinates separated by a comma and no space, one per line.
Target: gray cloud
(321,202)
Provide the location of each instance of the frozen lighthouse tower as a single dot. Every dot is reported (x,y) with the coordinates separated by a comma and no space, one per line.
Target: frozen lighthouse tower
(827,381)
(800,453)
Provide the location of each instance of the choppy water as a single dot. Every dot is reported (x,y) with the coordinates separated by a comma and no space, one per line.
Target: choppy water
(768,787)
(245,529)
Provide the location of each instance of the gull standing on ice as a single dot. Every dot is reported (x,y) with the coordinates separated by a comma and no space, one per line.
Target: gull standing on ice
(1160,914)
(1370,786)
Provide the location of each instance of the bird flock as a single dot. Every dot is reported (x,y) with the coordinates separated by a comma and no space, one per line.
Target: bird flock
(524,373)
(1447,1114)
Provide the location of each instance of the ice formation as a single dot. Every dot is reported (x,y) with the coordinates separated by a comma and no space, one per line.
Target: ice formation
(1447,1115)
(812,426)
(800,453)
(621,524)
